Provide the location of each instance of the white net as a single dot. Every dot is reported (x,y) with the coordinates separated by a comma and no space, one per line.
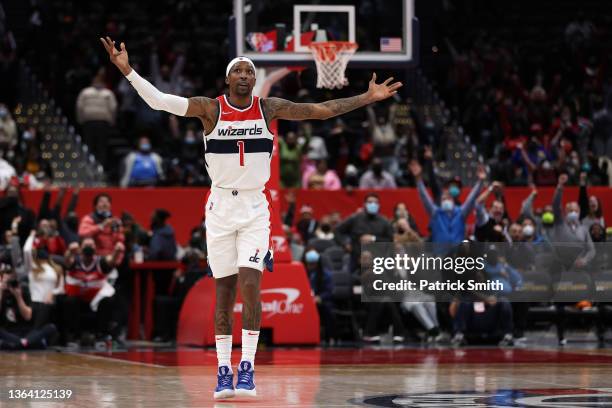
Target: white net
(331,58)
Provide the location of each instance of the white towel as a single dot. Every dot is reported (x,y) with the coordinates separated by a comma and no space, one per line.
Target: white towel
(106,291)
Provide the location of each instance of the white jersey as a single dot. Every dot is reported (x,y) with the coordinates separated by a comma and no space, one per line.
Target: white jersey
(238,151)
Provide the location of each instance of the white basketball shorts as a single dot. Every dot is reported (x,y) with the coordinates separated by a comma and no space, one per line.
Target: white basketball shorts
(237,230)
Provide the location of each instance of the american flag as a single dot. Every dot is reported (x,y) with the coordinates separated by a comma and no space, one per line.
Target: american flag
(390,44)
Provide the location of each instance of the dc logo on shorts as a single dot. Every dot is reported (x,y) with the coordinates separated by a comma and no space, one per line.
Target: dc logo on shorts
(255,258)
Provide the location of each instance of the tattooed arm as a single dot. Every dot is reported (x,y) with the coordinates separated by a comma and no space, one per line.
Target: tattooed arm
(206,109)
(277,108)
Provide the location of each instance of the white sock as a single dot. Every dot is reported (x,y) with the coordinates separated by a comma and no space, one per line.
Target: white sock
(224,350)
(249,345)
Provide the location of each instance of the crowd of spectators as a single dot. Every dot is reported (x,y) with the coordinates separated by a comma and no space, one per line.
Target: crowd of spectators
(536,102)
(533,111)
(335,249)
(75,277)
(542,123)
(67,280)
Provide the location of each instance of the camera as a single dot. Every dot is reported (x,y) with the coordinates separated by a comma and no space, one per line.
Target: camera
(13,283)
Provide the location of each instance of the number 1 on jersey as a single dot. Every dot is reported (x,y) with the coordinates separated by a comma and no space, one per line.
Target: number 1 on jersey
(241,151)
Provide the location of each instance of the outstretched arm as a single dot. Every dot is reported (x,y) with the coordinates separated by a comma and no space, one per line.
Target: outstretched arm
(417,173)
(277,108)
(204,108)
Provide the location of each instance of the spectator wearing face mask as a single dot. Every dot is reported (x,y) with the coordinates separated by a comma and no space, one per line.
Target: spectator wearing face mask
(96,108)
(16,316)
(322,287)
(190,161)
(490,226)
(590,206)
(384,136)
(376,178)
(351,177)
(324,230)
(142,167)
(100,225)
(530,231)
(577,248)
(46,278)
(87,288)
(306,224)
(367,222)
(447,221)
(11,208)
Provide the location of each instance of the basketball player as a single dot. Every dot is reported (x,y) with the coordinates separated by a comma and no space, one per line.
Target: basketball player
(238,149)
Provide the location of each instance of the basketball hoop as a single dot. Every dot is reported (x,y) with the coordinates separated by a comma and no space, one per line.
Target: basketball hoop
(332,58)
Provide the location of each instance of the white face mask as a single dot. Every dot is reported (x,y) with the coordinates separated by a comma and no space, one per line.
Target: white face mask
(572,216)
(448,205)
(528,230)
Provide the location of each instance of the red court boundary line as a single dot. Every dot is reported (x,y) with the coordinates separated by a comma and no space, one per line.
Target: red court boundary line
(365,356)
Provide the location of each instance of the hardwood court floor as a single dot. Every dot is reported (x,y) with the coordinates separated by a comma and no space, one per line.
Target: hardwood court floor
(401,377)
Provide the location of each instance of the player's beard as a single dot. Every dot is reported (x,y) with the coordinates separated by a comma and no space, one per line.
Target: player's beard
(243,90)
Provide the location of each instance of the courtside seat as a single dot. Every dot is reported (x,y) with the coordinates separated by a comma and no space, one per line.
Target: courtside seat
(346,323)
(602,287)
(572,287)
(537,291)
(536,287)
(334,258)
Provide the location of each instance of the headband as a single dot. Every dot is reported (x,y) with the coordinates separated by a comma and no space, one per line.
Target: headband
(235,61)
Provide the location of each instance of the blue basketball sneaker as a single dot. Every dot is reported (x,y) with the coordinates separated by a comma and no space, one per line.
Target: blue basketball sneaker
(225,383)
(245,387)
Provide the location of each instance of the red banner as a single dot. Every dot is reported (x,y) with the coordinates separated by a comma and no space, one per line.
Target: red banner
(288,309)
(187,204)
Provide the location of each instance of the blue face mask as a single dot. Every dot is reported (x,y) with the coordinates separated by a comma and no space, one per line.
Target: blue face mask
(312,256)
(454,191)
(372,207)
(448,205)
(145,147)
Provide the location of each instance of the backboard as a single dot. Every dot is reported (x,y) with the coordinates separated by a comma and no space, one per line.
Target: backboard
(266,31)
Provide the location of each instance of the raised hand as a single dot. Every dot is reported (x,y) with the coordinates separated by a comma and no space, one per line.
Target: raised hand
(117,57)
(562,179)
(427,153)
(481,173)
(378,92)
